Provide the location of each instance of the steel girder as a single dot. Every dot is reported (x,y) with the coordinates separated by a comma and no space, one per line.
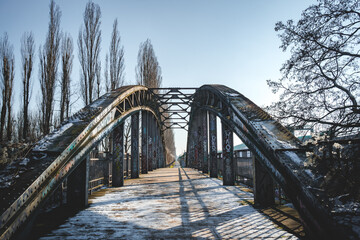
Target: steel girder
(59,153)
(213,145)
(118,156)
(277,150)
(174,106)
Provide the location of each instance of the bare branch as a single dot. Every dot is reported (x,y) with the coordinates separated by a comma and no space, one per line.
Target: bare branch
(320,80)
(89,41)
(27,59)
(117,62)
(66,59)
(49,56)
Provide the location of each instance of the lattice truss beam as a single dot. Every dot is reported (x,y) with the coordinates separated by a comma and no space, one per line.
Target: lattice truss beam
(174,106)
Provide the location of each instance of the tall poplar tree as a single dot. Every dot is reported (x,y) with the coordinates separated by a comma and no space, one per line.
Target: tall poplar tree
(49,56)
(66,60)
(89,41)
(117,62)
(27,60)
(7,74)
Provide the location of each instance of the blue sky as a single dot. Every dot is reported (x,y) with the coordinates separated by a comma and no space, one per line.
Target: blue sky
(197,42)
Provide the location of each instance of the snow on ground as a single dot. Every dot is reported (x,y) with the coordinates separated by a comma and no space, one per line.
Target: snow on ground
(170,203)
(24,162)
(6,180)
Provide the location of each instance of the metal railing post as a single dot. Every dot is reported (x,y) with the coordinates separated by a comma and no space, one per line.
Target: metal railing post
(264,194)
(150,143)
(213,145)
(228,156)
(135,145)
(204,123)
(118,156)
(78,185)
(144,142)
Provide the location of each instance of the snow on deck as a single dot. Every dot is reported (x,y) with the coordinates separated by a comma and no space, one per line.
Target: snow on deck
(171,203)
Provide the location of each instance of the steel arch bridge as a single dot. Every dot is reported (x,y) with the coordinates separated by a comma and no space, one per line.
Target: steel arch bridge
(64,154)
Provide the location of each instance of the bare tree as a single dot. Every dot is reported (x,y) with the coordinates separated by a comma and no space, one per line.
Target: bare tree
(35,126)
(89,41)
(169,140)
(27,59)
(49,60)
(19,125)
(170,144)
(98,79)
(66,58)
(321,83)
(33,133)
(148,71)
(7,79)
(106,74)
(117,64)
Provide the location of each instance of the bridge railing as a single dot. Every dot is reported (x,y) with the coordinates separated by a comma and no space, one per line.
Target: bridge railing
(244,172)
(243,166)
(100,171)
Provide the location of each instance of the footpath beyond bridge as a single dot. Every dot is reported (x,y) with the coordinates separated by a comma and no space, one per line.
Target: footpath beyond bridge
(171,203)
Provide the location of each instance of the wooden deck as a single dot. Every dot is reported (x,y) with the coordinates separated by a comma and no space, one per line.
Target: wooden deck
(177,203)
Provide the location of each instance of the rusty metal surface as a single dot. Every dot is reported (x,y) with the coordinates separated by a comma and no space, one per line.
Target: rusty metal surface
(58,153)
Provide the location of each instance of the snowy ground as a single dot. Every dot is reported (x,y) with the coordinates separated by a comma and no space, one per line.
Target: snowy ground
(171,203)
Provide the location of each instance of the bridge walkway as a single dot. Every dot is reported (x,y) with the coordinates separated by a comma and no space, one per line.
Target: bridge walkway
(172,203)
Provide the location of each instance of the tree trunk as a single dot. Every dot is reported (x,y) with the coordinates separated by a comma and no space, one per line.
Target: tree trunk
(2,118)
(9,122)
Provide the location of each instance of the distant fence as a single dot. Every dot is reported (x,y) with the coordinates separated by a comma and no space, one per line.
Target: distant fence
(244,172)
(243,166)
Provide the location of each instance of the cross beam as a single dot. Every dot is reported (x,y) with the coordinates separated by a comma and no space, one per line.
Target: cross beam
(174,106)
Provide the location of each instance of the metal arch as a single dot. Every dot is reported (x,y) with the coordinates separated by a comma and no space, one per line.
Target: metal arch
(275,147)
(94,122)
